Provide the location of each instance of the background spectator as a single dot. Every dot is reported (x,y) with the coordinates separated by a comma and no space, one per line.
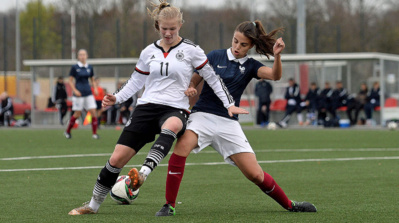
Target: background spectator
(263,90)
(293,97)
(310,103)
(59,98)
(325,104)
(98,97)
(6,109)
(357,104)
(373,100)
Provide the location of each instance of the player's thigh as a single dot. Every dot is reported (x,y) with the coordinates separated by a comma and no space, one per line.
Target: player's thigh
(121,155)
(90,103)
(77,103)
(249,166)
(186,143)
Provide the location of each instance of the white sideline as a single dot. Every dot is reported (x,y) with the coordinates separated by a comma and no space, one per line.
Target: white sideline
(216,163)
(212,151)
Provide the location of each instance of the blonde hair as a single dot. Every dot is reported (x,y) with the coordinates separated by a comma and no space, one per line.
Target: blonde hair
(164,11)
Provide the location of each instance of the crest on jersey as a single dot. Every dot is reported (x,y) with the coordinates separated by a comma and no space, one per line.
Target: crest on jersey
(242,69)
(180,55)
(88,70)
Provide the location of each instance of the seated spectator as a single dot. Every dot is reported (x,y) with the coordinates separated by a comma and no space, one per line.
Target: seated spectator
(6,109)
(325,104)
(357,103)
(373,100)
(293,97)
(263,90)
(310,103)
(340,96)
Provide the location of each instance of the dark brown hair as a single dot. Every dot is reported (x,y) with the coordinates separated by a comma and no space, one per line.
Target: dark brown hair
(263,41)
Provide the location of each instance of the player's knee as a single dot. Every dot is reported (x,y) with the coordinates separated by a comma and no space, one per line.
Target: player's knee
(256,177)
(174,124)
(182,149)
(119,158)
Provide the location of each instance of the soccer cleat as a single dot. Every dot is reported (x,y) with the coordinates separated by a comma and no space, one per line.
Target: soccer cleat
(95,136)
(85,209)
(67,135)
(166,210)
(136,179)
(302,207)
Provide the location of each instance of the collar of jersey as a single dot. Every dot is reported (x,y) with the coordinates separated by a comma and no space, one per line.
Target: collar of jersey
(232,57)
(156,43)
(81,65)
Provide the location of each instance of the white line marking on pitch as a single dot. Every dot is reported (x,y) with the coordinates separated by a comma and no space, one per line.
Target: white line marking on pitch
(216,163)
(212,151)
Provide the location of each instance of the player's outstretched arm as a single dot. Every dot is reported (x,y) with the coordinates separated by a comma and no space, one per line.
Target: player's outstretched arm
(275,72)
(131,87)
(192,88)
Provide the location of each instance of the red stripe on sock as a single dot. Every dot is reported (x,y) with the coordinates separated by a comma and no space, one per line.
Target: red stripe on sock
(94,125)
(70,125)
(174,177)
(271,188)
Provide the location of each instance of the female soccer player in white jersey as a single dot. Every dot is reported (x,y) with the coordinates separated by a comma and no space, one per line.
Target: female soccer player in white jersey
(165,69)
(210,125)
(82,96)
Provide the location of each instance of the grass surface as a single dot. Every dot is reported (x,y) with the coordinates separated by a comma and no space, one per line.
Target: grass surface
(343,191)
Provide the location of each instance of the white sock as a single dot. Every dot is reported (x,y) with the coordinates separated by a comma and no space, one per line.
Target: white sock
(145,170)
(95,205)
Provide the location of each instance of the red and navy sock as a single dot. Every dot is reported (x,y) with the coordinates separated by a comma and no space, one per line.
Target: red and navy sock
(70,125)
(271,188)
(174,177)
(94,125)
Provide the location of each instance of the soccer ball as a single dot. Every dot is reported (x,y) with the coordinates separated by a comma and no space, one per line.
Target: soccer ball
(121,193)
(392,125)
(271,126)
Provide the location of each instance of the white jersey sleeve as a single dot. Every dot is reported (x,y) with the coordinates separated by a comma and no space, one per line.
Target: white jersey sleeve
(200,62)
(136,81)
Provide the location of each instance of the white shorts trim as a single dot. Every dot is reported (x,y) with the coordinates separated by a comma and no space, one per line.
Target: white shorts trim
(80,103)
(223,134)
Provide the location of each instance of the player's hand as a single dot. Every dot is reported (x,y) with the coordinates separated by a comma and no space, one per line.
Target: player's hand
(278,46)
(191,92)
(233,110)
(77,93)
(108,100)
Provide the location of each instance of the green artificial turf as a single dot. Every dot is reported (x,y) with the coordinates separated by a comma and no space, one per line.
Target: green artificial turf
(362,188)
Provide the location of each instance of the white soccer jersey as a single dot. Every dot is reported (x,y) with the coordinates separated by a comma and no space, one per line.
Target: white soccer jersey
(166,75)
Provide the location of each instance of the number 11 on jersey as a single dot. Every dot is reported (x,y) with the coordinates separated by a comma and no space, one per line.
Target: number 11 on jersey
(167,66)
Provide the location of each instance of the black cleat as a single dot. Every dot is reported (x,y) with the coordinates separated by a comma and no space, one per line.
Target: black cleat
(67,135)
(302,207)
(166,210)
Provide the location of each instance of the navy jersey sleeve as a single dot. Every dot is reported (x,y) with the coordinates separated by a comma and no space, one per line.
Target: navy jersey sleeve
(72,72)
(256,65)
(91,71)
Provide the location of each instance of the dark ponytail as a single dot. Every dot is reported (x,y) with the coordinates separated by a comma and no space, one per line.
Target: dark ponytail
(263,41)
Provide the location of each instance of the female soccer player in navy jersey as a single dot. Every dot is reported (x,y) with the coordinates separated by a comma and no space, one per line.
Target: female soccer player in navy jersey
(82,96)
(165,69)
(210,125)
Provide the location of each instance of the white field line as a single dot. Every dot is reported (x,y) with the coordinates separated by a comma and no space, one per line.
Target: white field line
(212,151)
(216,163)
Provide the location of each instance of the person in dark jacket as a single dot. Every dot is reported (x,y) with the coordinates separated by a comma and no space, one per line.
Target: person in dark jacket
(325,104)
(293,97)
(340,96)
(357,103)
(311,103)
(373,100)
(263,90)
(6,109)
(59,98)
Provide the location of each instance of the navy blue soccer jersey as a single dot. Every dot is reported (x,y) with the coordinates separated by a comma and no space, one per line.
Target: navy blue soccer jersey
(236,74)
(82,73)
